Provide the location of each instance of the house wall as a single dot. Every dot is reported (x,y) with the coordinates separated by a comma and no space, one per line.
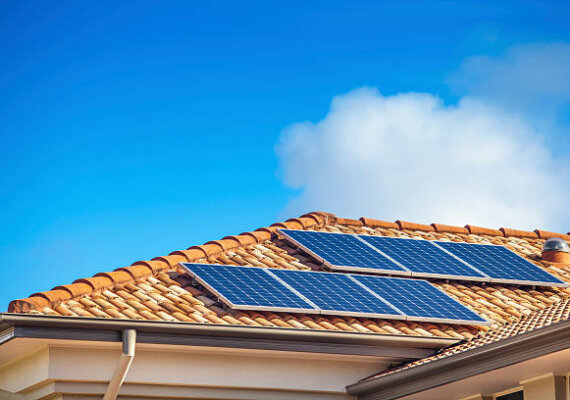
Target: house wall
(182,372)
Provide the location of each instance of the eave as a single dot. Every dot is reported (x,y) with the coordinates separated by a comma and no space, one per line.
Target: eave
(503,353)
(396,347)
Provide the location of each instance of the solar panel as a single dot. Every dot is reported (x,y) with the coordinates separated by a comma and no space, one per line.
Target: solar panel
(501,264)
(420,300)
(424,258)
(343,252)
(337,294)
(248,288)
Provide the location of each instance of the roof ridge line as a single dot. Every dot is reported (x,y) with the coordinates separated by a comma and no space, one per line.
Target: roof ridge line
(467,229)
(143,269)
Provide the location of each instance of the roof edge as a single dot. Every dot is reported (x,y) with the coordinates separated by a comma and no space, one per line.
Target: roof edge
(482,359)
(410,347)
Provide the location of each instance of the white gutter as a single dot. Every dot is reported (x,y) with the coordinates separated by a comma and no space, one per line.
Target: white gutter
(122,368)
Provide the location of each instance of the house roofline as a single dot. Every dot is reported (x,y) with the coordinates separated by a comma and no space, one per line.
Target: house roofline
(463,365)
(250,337)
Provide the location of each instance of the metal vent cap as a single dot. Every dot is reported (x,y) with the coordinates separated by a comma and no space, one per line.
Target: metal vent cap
(555,244)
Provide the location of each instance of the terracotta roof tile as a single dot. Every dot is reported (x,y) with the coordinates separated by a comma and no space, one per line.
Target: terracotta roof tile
(376,223)
(441,228)
(410,226)
(545,235)
(477,230)
(518,233)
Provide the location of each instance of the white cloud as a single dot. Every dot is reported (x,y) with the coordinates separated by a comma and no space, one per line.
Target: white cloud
(411,157)
(530,78)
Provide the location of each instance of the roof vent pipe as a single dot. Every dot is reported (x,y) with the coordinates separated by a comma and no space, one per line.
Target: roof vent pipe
(556,250)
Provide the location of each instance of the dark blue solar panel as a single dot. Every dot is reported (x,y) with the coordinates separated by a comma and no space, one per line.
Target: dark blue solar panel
(336,293)
(342,250)
(247,287)
(421,257)
(500,263)
(419,299)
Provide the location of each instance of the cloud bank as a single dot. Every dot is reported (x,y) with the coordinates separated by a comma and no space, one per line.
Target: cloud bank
(410,156)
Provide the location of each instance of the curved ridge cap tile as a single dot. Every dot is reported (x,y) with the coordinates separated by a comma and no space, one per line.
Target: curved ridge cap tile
(319,219)
(28,304)
(116,276)
(225,244)
(155,266)
(96,282)
(53,295)
(304,221)
(546,234)
(264,234)
(479,230)
(209,249)
(75,289)
(325,216)
(442,228)
(257,236)
(349,222)
(172,260)
(377,223)
(191,254)
(411,226)
(294,223)
(243,238)
(137,271)
(518,233)
(282,225)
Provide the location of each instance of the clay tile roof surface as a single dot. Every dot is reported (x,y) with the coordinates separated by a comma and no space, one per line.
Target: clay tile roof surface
(158,289)
(538,319)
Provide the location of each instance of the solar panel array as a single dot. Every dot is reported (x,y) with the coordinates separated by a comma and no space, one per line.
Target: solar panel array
(253,288)
(422,258)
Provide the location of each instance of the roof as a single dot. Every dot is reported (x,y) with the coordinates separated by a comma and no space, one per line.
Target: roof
(158,289)
(539,319)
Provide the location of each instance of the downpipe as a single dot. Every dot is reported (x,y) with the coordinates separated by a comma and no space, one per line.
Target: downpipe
(122,368)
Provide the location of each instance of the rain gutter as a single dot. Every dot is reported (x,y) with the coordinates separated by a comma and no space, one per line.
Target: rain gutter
(229,336)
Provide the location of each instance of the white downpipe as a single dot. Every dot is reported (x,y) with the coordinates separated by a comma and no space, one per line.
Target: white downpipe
(122,368)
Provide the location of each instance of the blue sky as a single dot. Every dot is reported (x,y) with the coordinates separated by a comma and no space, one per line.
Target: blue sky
(134,129)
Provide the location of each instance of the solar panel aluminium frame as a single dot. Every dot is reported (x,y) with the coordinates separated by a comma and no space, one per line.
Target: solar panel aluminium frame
(234,306)
(413,274)
(334,267)
(515,281)
(412,318)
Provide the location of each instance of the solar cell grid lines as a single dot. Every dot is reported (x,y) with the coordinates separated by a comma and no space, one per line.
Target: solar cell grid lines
(343,251)
(423,258)
(420,300)
(501,264)
(248,288)
(337,294)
